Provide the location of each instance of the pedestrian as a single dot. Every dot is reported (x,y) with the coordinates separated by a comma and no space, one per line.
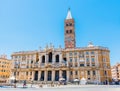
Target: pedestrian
(24,83)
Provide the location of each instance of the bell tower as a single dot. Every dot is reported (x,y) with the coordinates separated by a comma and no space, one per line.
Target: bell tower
(69,31)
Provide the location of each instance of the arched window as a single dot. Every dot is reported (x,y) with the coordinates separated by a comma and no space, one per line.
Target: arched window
(57,58)
(70,31)
(105,72)
(43,59)
(66,24)
(67,31)
(70,24)
(50,57)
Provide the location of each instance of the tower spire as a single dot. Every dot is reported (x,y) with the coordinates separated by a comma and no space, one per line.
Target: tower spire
(69,15)
(69,31)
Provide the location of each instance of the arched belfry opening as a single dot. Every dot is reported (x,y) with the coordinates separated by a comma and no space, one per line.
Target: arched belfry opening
(50,57)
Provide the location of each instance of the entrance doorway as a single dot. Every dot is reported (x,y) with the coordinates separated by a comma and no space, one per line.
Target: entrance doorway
(64,74)
(49,75)
(36,76)
(42,76)
(56,75)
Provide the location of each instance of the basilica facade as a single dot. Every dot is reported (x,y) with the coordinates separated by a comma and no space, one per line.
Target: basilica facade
(50,64)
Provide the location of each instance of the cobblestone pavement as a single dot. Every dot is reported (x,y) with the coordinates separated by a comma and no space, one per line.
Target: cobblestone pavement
(68,88)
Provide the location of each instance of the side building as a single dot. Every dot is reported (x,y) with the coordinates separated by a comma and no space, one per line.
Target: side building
(5,69)
(115,70)
(50,64)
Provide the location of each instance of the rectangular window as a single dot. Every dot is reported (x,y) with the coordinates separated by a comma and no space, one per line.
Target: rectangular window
(93,59)
(88,72)
(70,59)
(70,72)
(87,53)
(31,61)
(93,64)
(94,73)
(75,53)
(70,54)
(105,73)
(92,52)
(82,65)
(75,59)
(76,73)
(87,59)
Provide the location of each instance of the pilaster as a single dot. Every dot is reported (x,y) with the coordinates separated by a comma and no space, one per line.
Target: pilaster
(45,79)
(53,75)
(68,75)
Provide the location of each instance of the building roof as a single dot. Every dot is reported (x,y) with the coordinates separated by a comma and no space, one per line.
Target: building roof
(69,15)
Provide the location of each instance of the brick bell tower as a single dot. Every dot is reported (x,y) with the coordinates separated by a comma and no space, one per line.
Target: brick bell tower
(69,31)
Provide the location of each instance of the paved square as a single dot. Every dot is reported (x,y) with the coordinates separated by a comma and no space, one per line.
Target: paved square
(66,88)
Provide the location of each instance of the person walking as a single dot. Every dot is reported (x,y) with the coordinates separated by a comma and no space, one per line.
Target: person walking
(24,83)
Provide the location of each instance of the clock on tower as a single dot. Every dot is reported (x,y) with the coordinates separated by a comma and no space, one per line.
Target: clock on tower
(69,31)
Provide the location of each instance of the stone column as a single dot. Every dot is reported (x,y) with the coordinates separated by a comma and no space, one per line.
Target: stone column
(39,75)
(46,58)
(33,75)
(98,73)
(78,74)
(73,61)
(90,59)
(45,78)
(67,57)
(60,73)
(73,74)
(91,75)
(60,58)
(96,59)
(85,58)
(19,75)
(40,59)
(86,74)
(78,62)
(53,58)
(68,75)
(53,75)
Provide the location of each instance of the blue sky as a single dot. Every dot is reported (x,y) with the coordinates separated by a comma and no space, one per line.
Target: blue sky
(29,24)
